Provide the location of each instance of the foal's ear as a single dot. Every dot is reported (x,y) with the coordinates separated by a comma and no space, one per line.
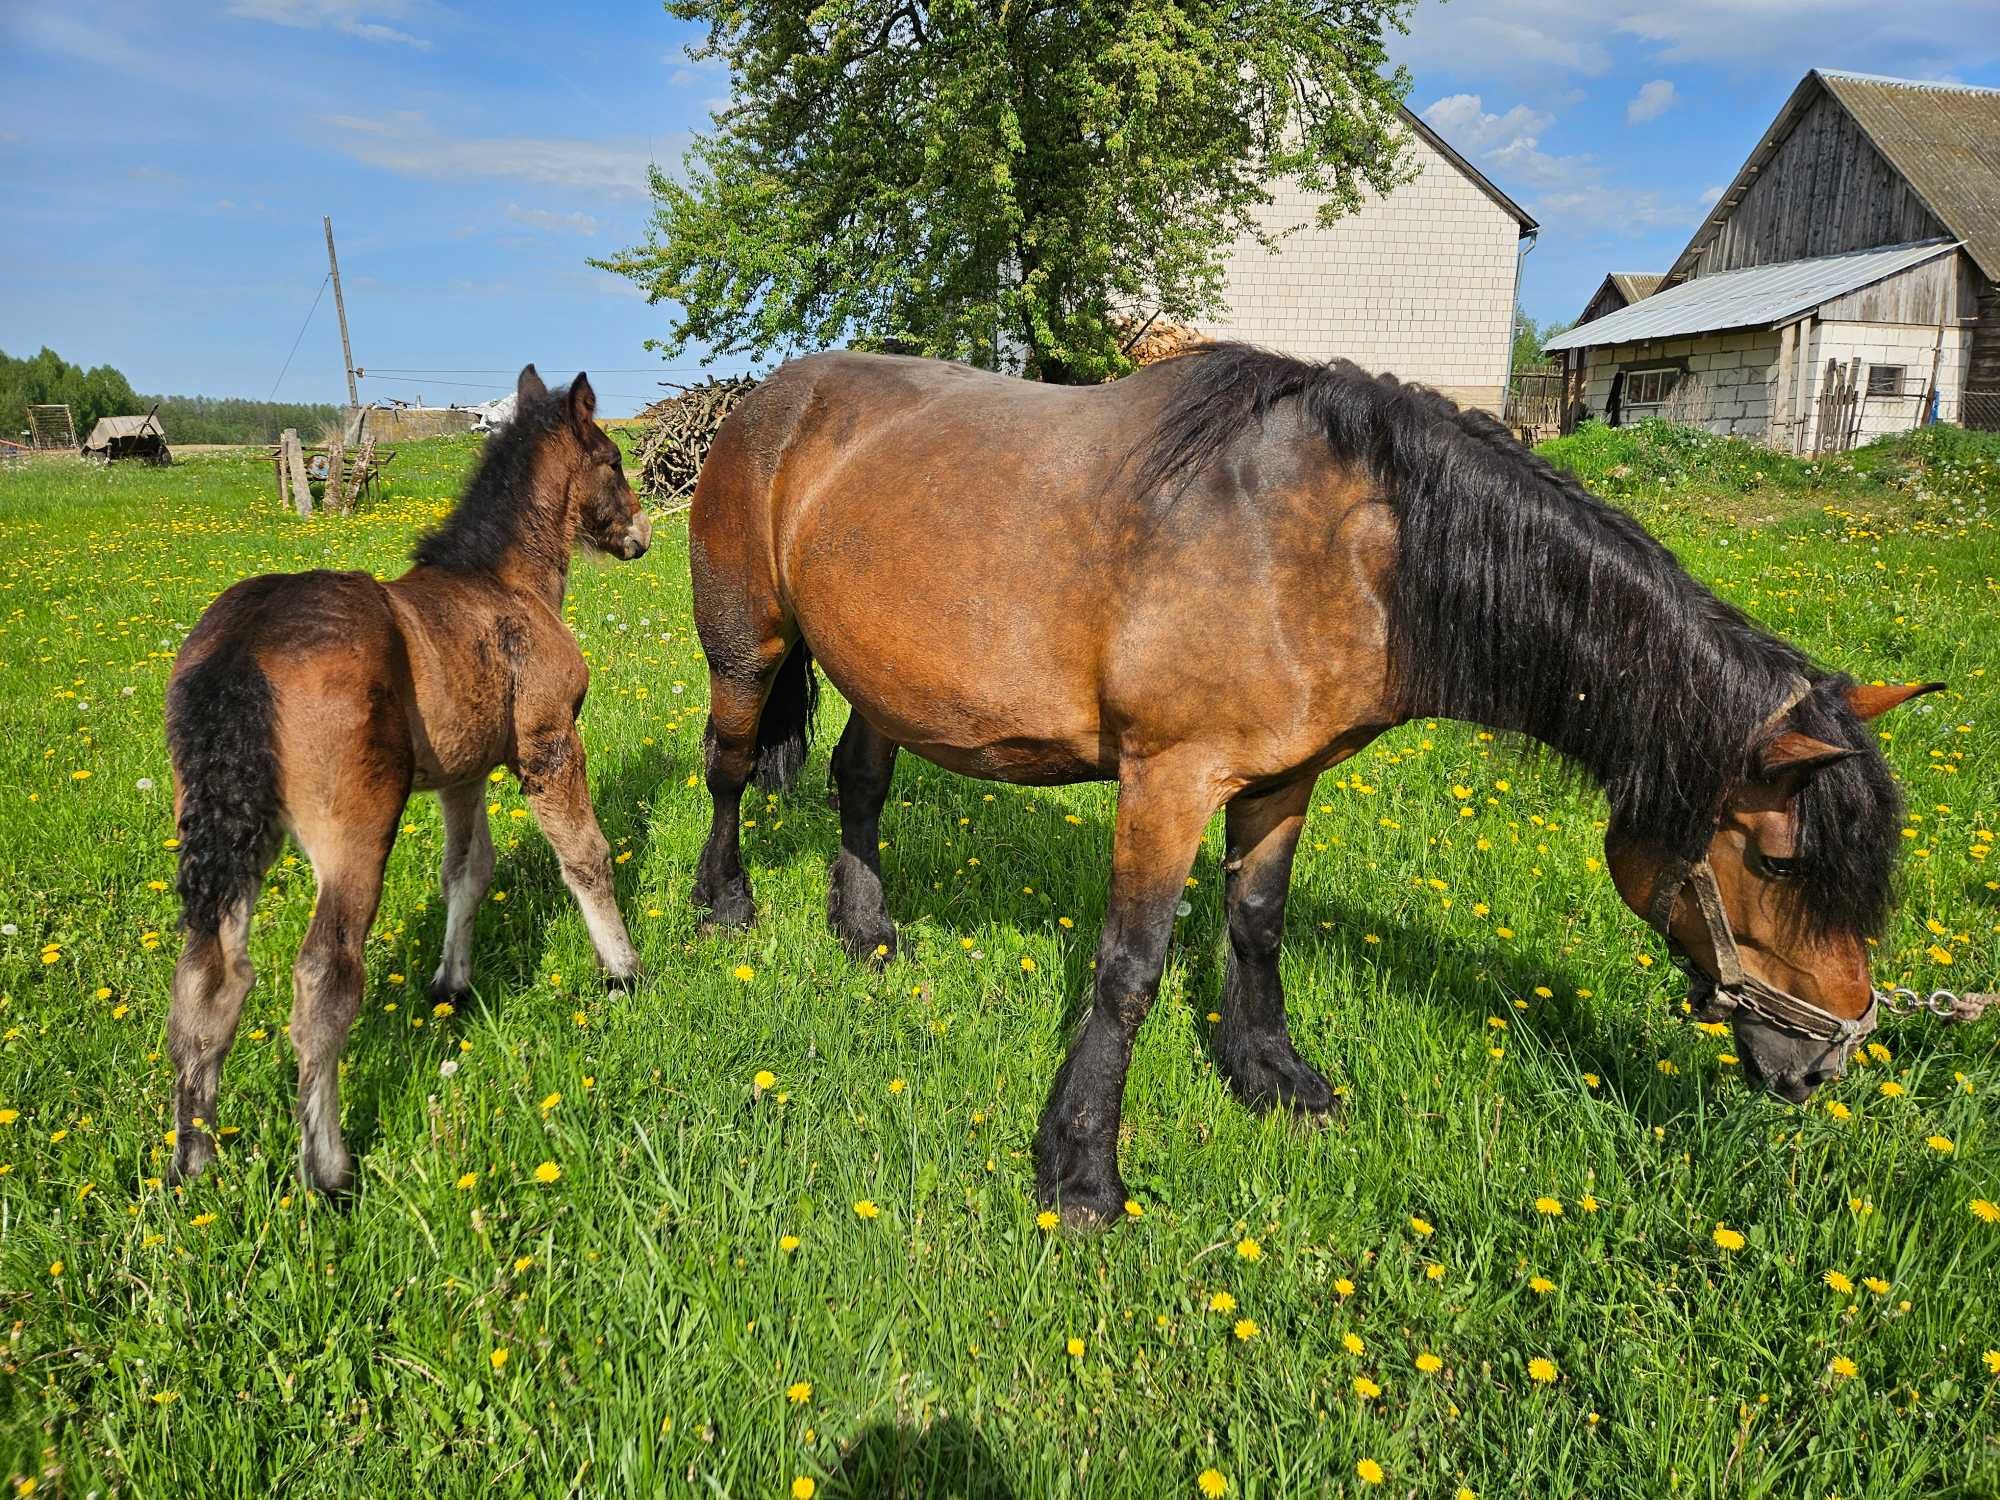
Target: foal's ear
(582,403)
(529,387)
(1868,702)
(1795,752)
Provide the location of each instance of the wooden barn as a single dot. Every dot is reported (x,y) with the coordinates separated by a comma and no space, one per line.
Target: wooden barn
(1619,289)
(1845,286)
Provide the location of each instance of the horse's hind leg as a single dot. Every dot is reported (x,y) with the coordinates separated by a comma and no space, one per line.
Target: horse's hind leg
(211,981)
(864,763)
(735,703)
(468,868)
(348,842)
(1253,1045)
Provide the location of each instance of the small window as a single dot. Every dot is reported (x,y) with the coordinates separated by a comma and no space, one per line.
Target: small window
(1885,380)
(1648,390)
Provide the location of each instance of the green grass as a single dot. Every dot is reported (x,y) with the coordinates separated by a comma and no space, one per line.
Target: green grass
(1492,1012)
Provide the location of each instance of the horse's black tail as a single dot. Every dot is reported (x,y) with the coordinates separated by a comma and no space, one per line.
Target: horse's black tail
(784,733)
(221,734)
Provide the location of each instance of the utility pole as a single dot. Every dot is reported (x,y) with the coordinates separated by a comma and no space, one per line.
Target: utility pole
(340,310)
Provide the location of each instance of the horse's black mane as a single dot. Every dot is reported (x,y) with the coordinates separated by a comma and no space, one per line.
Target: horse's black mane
(486,523)
(1522,602)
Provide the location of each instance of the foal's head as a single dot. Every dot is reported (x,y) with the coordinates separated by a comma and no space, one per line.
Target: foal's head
(1801,860)
(578,462)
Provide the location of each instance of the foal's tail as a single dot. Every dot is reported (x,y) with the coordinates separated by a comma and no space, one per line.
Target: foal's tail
(784,733)
(221,734)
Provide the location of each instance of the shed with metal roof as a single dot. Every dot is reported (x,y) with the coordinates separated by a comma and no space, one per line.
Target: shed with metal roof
(1842,287)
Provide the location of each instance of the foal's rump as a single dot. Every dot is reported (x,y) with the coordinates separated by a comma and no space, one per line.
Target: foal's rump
(258,645)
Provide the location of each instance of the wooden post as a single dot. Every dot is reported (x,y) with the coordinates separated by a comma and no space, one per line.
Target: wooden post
(334,498)
(295,467)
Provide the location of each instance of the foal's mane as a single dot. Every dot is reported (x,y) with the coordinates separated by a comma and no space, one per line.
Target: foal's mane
(1523,602)
(485,525)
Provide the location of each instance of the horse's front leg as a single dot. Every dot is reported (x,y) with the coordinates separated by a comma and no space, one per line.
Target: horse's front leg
(468,870)
(1253,1045)
(553,780)
(1161,813)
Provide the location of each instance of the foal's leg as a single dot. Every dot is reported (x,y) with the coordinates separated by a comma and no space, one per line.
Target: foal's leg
(1253,1045)
(211,981)
(554,782)
(348,843)
(468,867)
(1161,814)
(864,763)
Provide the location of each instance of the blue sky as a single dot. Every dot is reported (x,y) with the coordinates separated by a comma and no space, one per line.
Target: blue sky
(165,167)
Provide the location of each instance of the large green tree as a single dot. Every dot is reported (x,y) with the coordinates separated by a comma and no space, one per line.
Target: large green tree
(968,177)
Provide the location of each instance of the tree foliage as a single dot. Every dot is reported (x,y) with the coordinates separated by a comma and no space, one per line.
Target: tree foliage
(50,380)
(47,379)
(962,177)
(1529,336)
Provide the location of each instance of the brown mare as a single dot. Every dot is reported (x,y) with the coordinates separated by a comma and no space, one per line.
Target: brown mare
(315,703)
(1213,580)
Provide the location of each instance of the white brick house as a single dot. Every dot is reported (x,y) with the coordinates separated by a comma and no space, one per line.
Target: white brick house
(1419,283)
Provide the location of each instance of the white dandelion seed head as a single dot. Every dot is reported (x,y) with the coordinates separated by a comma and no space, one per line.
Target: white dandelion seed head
(448,1067)
(8,929)
(144,783)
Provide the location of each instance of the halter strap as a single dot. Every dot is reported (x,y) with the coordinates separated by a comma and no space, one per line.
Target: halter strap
(1736,988)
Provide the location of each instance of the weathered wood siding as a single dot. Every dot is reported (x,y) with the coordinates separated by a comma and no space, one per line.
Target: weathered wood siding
(1608,300)
(1983,363)
(1938,291)
(1826,189)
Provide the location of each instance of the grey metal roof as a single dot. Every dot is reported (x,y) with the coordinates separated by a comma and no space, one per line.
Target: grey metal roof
(1753,298)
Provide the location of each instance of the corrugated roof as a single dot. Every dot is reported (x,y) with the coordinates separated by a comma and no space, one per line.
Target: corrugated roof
(1634,286)
(1753,298)
(1945,140)
(108,428)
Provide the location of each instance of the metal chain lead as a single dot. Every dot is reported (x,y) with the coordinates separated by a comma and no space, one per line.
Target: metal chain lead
(1943,1004)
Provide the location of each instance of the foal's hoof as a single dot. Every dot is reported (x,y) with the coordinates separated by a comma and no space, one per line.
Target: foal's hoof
(194,1153)
(442,993)
(624,984)
(874,945)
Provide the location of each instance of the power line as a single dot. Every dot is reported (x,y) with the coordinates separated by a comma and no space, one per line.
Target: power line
(446,370)
(302,333)
(475,385)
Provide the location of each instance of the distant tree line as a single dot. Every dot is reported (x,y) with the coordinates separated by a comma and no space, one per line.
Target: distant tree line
(47,379)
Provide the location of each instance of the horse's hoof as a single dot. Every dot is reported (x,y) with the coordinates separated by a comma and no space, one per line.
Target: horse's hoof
(194,1153)
(448,994)
(1283,1080)
(1090,1218)
(729,907)
(624,984)
(874,947)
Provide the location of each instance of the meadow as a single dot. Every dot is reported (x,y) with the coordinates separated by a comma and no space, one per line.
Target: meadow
(764,1226)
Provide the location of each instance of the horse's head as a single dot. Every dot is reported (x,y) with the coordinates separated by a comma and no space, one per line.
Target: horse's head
(1772,922)
(590,469)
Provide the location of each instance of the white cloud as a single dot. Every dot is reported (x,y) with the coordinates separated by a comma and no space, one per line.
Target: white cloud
(1521,40)
(555,223)
(1567,192)
(1462,120)
(1653,100)
(410,145)
(1710,196)
(157,175)
(344,16)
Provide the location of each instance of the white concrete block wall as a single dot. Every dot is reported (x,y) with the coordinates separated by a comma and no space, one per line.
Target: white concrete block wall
(1907,344)
(1729,389)
(1419,283)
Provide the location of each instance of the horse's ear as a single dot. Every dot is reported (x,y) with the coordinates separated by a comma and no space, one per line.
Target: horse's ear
(529,387)
(1792,751)
(582,402)
(1870,701)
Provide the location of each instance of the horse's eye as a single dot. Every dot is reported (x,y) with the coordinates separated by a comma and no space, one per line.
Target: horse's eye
(1773,868)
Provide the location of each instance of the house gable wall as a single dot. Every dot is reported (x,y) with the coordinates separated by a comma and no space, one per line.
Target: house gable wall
(1419,283)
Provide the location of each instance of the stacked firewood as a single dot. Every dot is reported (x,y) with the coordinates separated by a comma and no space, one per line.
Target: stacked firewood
(1158,339)
(678,432)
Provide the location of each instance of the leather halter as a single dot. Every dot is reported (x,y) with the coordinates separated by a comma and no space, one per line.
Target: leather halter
(1736,989)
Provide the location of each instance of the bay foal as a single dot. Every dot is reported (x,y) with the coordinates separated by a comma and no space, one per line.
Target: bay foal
(315,703)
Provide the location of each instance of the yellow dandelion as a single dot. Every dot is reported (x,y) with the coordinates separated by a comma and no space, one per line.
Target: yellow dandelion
(1429,1363)
(1727,1238)
(1423,1228)
(1351,1342)
(1542,1371)
(1365,1388)
(1876,1285)
(1541,1286)
(498,1358)
(1343,1286)
(1940,1143)
(1222,1302)
(764,1079)
(1048,1218)
(1246,1329)
(865,1208)
(1369,1471)
(1249,1249)
(1843,1367)
(1985,1210)
(1552,1207)
(1211,1483)
(804,1487)
(1838,1281)
(1074,1348)
(547,1172)
(466,1180)
(799,1392)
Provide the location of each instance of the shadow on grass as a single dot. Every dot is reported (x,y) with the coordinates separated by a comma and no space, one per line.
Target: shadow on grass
(946,1460)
